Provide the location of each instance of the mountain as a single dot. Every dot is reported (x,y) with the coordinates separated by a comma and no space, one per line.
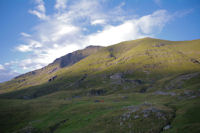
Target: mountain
(44,74)
(145,85)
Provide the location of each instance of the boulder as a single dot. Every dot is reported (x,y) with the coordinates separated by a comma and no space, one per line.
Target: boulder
(116,76)
(97,92)
(167,127)
(52,78)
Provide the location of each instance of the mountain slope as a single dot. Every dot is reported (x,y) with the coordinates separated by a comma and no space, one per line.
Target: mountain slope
(138,58)
(145,85)
(44,74)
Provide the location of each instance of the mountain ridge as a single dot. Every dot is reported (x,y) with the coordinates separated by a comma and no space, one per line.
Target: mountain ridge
(152,54)
(141,86)
(59,63)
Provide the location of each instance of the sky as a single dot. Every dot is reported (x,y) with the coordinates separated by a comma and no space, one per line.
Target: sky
(33,33)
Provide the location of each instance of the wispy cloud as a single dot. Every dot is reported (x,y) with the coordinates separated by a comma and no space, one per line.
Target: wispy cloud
(39,10)
(98,22)
(60,4)
(64,32)
(158,2)
(25,34)
(6,73)
(1,67)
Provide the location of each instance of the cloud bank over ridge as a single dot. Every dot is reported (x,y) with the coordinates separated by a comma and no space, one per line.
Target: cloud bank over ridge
(77,24)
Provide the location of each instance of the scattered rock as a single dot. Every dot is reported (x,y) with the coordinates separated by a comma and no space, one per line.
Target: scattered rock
(97,92)
(26,97)
(124,97)
(84,77)
(22,80)
(143,90)
(116,76)
(55,126)
(164,93)
(136,116)
(136,81)
(53,70)
(145,115)
(76,96)
(159,45)
(52,78)
(167,127)
(179,81)
(27,129)
(81,80)
(132,109)
(189,94)
(195,61)
(69,98)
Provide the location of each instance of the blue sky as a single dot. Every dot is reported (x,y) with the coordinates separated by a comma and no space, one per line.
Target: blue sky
(33,33)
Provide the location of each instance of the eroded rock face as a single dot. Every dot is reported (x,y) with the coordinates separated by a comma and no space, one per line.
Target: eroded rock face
(165,93)
(195,61)
(52,78)
(179,81)
(116,76)
(74,57)
(119,78)
(189,94)
(53,70)
(97,92)
(159,45)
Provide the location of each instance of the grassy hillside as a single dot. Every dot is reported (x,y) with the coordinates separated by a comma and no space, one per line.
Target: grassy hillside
(44,74)
(142,86)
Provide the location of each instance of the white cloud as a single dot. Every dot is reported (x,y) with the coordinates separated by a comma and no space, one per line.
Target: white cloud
(39,10)
(1,67)
(158,2)
(153,23)
(114,34)
(24,48)
(30,47)
(6,73)
(63,32)
(182,13)
(131,29)
(60,4)
(70,29)
(98,21)
(25,34)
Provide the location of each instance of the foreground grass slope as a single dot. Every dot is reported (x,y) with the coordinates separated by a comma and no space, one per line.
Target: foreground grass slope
(141,86)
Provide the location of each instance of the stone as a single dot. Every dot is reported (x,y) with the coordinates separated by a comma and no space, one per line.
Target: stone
(164,93)
(136,116)
(116,76)
(97,92)
(167,127)
(52,78)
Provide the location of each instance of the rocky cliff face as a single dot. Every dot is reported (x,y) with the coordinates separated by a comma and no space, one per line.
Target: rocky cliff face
(72,58)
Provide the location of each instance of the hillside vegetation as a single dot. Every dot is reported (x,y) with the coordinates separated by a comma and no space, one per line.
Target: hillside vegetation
(141,86)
